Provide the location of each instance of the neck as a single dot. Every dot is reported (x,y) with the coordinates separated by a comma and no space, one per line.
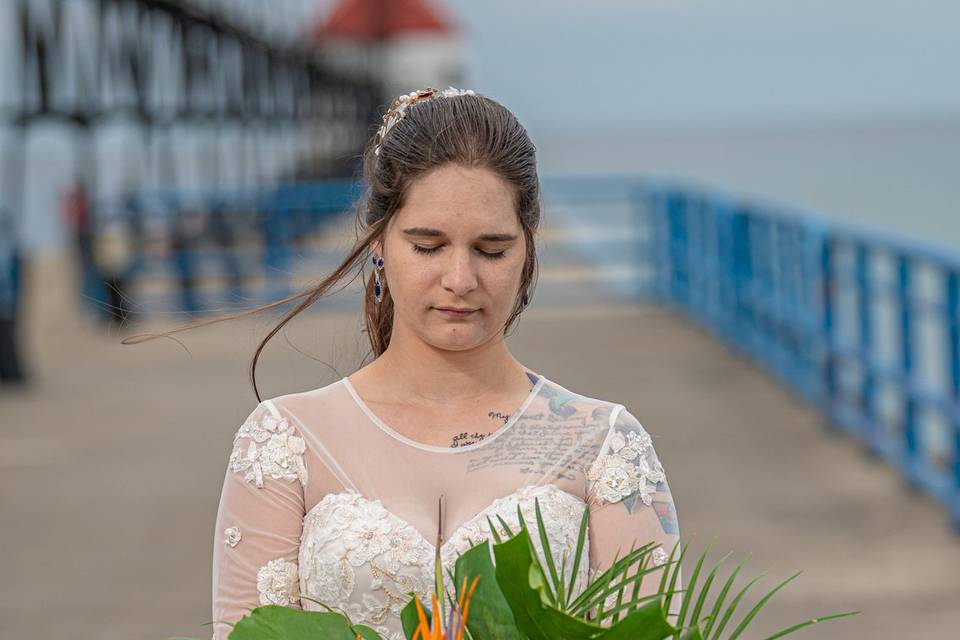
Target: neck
(442,377)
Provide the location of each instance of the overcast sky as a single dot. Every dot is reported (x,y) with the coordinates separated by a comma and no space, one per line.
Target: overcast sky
(579,63)
(669,60)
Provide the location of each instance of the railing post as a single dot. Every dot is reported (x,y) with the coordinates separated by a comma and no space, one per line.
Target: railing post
(645,248)
(724,264)
(680,245)
(829,371)
(742,281)
(780,354)
(764,290)
(789,318)
(952,310)
(870,429)
(276,256)
(711,263)
(659,244)
(696,278)
(910,445)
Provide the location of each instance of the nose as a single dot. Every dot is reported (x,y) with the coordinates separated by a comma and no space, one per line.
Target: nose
(459,275)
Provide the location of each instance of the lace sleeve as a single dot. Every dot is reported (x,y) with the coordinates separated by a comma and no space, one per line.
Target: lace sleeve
(630,500)
(259,519)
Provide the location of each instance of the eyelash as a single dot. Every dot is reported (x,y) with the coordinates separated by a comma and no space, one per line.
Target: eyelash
(426,250)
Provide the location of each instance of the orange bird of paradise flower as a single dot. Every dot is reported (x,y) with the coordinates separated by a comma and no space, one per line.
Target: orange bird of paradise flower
(456,622)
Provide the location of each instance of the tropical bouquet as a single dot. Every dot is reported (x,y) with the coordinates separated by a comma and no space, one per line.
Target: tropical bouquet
(523,597)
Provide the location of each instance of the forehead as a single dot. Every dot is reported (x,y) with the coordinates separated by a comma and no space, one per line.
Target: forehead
(453,194)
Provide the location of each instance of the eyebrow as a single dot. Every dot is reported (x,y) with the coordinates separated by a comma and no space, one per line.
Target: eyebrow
(436,233)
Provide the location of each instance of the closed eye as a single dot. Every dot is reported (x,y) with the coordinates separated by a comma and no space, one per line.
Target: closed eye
(430,250)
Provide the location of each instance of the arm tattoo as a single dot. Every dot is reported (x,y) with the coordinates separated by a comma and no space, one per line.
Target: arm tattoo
(667,515)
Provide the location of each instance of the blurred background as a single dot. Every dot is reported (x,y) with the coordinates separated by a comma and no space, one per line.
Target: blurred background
(750,238)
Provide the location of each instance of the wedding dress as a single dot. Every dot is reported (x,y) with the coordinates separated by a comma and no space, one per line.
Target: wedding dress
(322,498)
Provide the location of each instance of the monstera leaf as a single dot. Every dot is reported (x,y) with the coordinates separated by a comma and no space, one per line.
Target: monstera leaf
(273,622)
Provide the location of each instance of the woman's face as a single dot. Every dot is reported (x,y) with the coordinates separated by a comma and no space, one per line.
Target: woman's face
(455,243)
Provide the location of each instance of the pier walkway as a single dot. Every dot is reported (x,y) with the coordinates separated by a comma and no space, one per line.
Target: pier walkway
(111,464)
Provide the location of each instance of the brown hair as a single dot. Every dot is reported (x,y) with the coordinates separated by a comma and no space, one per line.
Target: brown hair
(469,130)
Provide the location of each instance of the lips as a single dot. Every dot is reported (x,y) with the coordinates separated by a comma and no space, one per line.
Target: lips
(456,313)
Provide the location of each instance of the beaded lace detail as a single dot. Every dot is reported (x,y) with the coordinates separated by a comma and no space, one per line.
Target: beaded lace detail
(277,582)
(629,466)
(232,536)
(268,445)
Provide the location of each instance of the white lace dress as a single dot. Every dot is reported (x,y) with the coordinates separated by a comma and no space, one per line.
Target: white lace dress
(321,498)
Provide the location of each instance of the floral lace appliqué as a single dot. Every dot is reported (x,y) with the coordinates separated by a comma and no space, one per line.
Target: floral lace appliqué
(272,448)
(345,534)
(630,466)
(278,582)
(659,556)
(231,535)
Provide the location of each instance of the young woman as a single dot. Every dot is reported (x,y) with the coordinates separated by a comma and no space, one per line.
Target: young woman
(335,493)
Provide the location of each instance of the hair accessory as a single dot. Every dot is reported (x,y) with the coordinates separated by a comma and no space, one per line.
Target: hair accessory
(398,107)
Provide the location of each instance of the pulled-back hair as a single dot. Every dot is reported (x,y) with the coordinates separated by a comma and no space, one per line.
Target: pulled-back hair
(470,130)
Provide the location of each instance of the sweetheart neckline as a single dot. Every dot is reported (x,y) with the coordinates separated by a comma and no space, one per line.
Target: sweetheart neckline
(525,489)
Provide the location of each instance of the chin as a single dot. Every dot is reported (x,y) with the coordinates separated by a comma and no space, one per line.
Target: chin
(457,338)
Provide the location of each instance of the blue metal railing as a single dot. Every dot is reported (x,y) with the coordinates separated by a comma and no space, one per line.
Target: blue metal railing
(215,249)
(860,324)
(864,325)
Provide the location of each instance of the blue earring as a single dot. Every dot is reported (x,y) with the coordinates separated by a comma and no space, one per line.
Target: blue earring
(377,284)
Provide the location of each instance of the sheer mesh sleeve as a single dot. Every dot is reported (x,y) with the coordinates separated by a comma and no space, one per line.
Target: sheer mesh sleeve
(630,502)
(259,520)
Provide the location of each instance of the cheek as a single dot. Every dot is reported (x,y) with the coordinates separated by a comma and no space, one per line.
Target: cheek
(409,274)
(505,278)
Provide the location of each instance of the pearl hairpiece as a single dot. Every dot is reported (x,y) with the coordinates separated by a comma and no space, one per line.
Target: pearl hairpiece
(398,107)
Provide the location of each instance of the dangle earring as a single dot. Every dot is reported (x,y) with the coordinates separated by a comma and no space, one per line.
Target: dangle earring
(377,283)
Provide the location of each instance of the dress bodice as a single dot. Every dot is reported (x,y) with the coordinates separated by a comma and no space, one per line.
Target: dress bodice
(357,556)
(324,501)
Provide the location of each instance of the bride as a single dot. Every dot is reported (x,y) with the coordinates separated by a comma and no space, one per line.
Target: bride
(335,493)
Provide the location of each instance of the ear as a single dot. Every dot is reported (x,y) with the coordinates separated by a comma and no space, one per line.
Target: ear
(376,248)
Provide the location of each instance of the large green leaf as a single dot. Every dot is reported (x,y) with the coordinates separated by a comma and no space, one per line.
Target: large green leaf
(489,615)
(648,622)
(366,632)
(274,622)
(692,634)
(524,584)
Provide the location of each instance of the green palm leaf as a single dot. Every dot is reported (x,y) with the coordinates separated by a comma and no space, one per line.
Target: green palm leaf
(578,553)
(721,598)
(557,581)
(690,589)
